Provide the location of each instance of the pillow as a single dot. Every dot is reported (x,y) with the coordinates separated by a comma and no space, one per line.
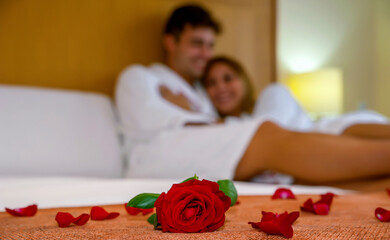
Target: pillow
(45,132)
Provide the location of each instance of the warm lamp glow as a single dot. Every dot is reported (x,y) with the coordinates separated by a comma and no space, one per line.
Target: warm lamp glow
(319,92)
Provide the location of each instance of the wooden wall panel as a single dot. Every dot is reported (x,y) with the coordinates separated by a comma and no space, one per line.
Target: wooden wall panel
(84,44)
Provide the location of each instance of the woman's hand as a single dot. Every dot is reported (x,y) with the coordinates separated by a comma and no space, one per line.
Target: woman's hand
(177,99)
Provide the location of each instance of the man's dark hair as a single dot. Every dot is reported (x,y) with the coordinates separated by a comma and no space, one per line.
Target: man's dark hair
(194,15)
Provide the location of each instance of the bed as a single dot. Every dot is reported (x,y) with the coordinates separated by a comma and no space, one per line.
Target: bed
(60,140)
(61,150)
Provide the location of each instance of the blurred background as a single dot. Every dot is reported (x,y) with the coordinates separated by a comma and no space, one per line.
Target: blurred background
(84,44)
(350,35)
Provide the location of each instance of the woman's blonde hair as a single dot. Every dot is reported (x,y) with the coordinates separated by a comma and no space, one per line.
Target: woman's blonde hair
(249,101)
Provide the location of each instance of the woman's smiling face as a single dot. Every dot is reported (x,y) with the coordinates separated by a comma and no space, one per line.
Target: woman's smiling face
(225,88)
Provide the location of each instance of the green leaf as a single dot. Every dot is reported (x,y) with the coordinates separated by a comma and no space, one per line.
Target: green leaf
(153,220)
(229,189)
(143,200)
(191,178)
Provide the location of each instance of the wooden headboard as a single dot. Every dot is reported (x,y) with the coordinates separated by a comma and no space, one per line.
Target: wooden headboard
(84,44)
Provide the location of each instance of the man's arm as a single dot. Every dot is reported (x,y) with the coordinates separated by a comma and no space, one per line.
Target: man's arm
(177,99)
(142,108)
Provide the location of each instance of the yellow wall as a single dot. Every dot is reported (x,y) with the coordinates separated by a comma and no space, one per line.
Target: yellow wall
(315,34)
(84,44)
(382,83)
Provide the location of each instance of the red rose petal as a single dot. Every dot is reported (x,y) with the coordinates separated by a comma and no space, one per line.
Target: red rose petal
(64,219)
(277,224)
(269,228)
(308,206)
(388,191)
(283,193)
(99,213)
(225,199)
(23,212)
(286,229)
(292,217)
(320,207)
(268,216)
(326,198)
(82,219)
(382,214)
(135,211)
(113,215)
(146,211)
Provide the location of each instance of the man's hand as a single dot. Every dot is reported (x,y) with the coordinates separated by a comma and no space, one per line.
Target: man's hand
(177,99)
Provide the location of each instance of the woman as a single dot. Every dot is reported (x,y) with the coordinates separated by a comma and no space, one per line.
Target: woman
(308,156)
(231,92)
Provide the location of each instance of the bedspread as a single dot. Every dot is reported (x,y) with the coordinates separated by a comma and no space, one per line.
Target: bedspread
(351,217)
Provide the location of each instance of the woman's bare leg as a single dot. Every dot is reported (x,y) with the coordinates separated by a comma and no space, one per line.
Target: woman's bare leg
(373,131)
(313,157)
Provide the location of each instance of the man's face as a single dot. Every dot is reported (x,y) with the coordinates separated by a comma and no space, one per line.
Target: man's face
(191,51)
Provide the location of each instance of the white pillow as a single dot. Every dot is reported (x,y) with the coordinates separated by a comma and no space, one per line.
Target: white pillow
(45,132)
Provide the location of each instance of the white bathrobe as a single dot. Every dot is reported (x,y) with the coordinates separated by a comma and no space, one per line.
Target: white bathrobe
(159,145)
(276,101)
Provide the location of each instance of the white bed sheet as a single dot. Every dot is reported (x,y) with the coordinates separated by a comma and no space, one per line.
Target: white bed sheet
(55,192)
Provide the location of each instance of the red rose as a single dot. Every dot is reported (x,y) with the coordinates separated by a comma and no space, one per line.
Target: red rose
(192,206)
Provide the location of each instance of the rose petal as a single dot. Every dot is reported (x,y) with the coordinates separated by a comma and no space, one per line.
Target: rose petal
(64,219)
(99,213)
(320,207)
(225,199)
(268,216)
(82,219)
(255,224)
(388,191)
(283,193)
(280,224)
(269,228)
(134,211)
(327,198)
(382,214)
(292,217)
(286,229)
(112,215)
(23,212)
(308,206)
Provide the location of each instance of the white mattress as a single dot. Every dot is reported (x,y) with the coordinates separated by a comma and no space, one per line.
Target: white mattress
(53,192)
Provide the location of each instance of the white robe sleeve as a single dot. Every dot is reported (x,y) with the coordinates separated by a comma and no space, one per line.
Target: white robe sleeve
(276,101)
(142,109)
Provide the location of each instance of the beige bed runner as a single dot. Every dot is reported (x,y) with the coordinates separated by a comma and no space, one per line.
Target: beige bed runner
(350,217)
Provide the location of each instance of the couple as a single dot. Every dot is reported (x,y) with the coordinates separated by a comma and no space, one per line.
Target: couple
(164,140)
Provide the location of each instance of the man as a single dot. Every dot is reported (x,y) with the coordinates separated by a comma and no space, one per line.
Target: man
(160,145)
(162,141)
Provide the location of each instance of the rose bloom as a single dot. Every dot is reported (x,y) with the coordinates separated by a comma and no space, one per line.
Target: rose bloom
(192,206)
